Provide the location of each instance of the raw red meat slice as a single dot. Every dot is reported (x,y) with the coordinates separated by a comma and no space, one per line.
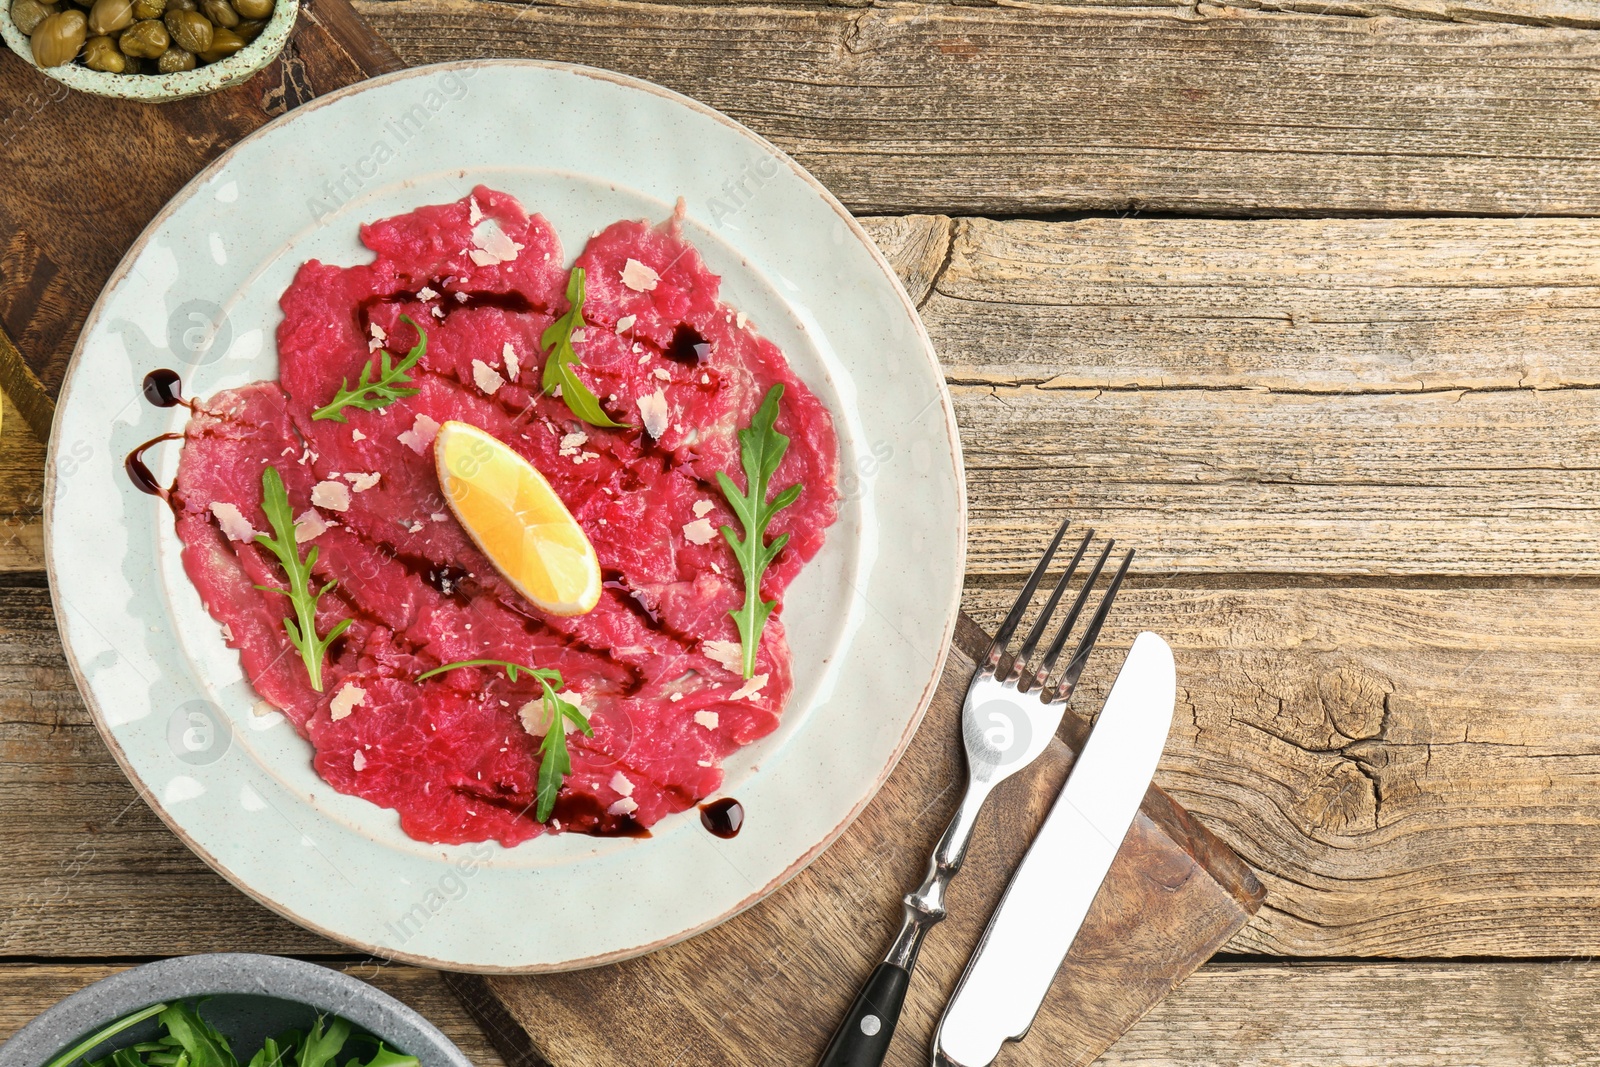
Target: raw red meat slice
(456,755)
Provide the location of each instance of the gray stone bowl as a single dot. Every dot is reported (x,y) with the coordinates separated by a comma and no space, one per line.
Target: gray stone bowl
(161,88)
(251,998)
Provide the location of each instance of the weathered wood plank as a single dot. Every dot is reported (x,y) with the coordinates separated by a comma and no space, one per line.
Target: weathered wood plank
(1030,109)
(27,989)
(1370,1015)
(1201,480)
(21,492)
(1410,771)
(1320,305)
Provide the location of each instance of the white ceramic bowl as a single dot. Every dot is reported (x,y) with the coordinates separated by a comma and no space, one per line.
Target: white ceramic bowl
(161,88)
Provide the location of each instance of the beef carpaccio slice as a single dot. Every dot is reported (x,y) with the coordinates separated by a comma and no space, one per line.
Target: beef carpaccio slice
(654,665)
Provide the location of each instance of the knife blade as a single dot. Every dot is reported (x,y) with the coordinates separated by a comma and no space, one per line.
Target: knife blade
(1044,905)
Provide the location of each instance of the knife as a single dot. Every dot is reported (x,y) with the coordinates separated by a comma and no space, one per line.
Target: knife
(1038,918)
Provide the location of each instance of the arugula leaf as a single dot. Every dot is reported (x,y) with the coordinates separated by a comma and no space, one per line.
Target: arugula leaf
(555,762)
(511,669)
(105,1033)
(269,1056)
(761,449)
(558,372)
(322,1045)
(387,1057)
(369,395)
(202,1045)
(297,571)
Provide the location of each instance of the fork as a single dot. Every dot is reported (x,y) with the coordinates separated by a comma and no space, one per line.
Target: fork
(1007,719)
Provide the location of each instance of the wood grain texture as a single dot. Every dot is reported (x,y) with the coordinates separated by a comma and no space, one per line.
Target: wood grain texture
(1314,305)
(728,998)
(1371,1015)
(68,217)
(1410,770)
(21,492)
(26,989)
(1232,481)
(1030,109)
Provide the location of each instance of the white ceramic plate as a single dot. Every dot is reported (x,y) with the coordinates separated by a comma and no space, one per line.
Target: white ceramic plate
(868,620)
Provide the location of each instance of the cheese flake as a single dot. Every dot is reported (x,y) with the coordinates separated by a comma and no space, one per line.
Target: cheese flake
(362,482)
(750,688)
(420,436)
(702,508)
(491,246)
(638,277)
(625,323)
(234,524)
(620,783)
(708,719)
(653,409)
(487,377)
(335,496)
(349,697)
(310,525)
(625,806)
(727,654)
(698,532)
(358,761)
(509,355)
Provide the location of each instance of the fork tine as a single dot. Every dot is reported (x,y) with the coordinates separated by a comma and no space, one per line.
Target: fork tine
(1003,636)
(1071,620)
(1025,653)
(1091,634)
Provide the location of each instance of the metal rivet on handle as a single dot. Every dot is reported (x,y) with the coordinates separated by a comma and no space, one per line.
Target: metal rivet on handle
(871,1025)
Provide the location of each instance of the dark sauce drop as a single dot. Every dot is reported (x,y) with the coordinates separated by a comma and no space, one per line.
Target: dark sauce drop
(584,814)
(445,578)
(145,481)
(723,817)
(687,346)
(163,388)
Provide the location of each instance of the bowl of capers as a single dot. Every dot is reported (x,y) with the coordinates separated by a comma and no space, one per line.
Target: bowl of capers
(152,50)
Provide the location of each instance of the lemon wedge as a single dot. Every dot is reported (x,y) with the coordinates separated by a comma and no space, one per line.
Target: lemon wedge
(511,512)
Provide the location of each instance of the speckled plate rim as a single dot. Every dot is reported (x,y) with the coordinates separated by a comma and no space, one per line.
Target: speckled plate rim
(944,597)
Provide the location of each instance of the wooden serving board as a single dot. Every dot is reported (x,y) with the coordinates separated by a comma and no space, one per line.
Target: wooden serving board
(85,174)
(767,987)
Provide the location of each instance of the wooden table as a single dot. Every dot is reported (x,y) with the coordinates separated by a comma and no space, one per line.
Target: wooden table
(1300,299)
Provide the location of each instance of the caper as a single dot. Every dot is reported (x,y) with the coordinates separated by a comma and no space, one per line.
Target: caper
(250,29)
(148,9)
(56,40)
(109,16)
(135,65)
(147,39)
(101,53)
(190,30)
(27,14)
(253,9)
(175,59)
(224,43)
(220,12)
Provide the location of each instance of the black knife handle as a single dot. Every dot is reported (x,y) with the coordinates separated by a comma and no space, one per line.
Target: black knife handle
(863,1037)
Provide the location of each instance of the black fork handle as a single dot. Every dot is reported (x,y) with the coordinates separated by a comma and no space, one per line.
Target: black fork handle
(863,1037)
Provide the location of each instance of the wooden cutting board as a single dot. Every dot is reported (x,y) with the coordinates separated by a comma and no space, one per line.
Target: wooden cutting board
(767,987)
(85,174)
